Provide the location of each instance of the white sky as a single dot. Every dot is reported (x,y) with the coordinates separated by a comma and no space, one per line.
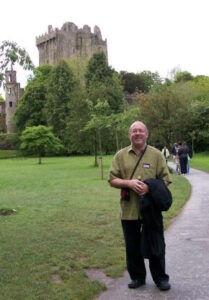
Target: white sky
(154,35)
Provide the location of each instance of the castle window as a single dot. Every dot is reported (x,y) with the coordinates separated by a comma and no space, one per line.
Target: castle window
(10,78)
(10,104)
(9,91)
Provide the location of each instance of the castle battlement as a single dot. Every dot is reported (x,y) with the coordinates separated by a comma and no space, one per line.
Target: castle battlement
(69,41)
(47,36)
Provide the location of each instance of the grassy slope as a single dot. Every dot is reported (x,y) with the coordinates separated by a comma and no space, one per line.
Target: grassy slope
(67,220)
(200,161)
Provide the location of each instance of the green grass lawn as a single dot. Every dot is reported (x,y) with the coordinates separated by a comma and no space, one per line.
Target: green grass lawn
(67,220)
(200,161)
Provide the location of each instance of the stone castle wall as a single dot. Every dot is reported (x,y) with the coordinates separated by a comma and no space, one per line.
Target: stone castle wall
(13,93)
(69,41)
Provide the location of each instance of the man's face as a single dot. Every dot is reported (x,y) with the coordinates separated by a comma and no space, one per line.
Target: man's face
(138,135)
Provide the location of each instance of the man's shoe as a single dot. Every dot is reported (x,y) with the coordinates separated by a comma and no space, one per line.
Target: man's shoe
(164,285)
(134,284)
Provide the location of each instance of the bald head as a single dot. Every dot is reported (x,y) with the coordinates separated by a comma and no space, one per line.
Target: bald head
(136,124)
(138,135)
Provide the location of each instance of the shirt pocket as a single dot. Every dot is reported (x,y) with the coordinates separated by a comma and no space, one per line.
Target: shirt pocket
(148,173)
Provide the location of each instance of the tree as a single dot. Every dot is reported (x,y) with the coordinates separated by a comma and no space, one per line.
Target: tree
(31,107)
(105,93)
(39,140)
(10,54)
(61,91)
(120,122)
(97,69)
(78,140)
(98,121)
(166,111)
(142,82)
(102,82)
(183,76)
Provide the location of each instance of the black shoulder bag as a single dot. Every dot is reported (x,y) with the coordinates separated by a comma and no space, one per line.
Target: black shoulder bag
(125,192)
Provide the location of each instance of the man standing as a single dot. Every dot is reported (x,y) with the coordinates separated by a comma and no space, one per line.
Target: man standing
(151,166)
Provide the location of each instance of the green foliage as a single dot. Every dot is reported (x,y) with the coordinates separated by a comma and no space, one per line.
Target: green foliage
(99,119)
(97,69)
(103,83)
(165,110)
(61,89)
(199,111)
(105,97)
(77,140)
(31,107)
(39,140)
(78,65)
(9,141)
(183,76)
(200,123)
(10,54)
(142,82)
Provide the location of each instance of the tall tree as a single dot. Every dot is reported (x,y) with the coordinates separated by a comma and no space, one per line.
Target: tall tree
(103,88)
(97,69)
(165,110)
(61,88)
(31,107)
(99,121)
(102,82)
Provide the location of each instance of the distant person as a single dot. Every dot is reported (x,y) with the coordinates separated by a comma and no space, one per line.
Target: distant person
(183,157)
(173,151)
(189,156)
(141,204)
(165,153)
(177,162)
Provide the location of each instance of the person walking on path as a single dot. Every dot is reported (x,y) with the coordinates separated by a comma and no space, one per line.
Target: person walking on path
(165,153)
(147,162)
(173,151)
(183,153)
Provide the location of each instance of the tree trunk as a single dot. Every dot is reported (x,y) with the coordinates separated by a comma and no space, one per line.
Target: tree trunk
(100,142)
(39,159)
(95,150)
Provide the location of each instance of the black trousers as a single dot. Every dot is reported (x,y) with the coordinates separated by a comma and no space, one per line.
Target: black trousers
(134,259)
(183,163)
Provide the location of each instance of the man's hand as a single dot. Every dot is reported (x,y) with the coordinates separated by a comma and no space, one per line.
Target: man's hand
(139,187)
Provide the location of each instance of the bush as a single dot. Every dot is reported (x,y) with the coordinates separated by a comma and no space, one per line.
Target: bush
(9,141)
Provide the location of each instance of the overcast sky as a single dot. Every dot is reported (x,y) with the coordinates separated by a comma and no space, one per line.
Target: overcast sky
(154,35)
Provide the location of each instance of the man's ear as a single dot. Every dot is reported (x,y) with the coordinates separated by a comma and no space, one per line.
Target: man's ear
(147,133)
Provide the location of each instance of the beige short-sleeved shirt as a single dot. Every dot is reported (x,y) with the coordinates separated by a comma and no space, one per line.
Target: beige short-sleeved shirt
(152,165)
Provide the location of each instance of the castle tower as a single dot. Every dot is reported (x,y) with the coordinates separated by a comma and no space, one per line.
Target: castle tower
(12,93)
(2,117)
(69,41)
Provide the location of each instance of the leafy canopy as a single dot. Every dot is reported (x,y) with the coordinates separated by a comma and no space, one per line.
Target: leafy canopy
(39,140)
(10,54)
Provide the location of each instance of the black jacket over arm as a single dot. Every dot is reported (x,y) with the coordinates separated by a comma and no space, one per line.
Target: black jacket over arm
(152,204)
